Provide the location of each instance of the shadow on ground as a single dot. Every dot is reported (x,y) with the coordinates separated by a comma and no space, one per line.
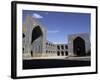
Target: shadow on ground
(53,63)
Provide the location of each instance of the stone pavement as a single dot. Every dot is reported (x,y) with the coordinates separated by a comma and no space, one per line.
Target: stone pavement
(85,58)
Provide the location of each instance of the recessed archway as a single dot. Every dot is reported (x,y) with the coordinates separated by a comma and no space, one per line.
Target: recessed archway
(79,47)
(36,33)
(31,53)
(58,53)
(62,53)
(66,53)
(36,39)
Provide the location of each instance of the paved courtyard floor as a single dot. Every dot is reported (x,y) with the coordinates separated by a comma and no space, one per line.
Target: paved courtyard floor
(38,63)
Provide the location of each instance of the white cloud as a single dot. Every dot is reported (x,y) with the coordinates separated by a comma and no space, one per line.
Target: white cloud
(53,31)
(35,15)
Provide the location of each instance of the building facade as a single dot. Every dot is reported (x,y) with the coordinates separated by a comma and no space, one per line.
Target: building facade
(35,43)
(79,44)
(62,49)
(34,38)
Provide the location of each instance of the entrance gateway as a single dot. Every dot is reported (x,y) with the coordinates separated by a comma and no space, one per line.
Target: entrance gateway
(79,46)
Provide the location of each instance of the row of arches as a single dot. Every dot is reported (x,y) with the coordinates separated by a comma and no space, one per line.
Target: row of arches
(61,47)
(78,43)
(62,53)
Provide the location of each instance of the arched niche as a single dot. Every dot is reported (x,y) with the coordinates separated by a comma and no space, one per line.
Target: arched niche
(37,40)
(36,33)
(79,46)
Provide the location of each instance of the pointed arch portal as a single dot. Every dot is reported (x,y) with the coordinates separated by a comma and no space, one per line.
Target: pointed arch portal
(79,47)
(36,33)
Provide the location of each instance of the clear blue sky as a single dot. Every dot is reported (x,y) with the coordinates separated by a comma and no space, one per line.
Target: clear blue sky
(60,24)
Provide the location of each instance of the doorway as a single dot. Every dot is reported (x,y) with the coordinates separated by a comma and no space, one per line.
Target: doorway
(79,47)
